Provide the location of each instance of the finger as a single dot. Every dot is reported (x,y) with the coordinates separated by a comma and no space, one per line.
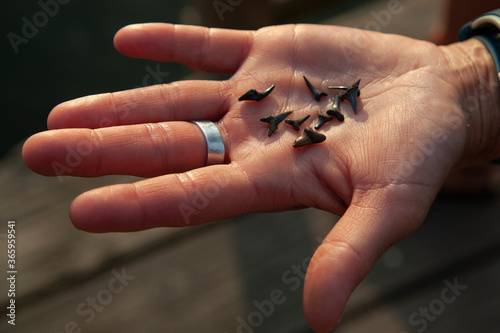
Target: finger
(201,195)
(206,49)
(143,150)
(184,100)
(370,226)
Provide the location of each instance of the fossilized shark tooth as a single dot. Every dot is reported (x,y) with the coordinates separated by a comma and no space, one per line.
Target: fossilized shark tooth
(254,95)
(317,94)
(296,123)
(322,119)
(335,110)
(339,87)
(274,121)
(351,95)
(309,137)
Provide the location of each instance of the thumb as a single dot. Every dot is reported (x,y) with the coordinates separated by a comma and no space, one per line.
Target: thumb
(373,222)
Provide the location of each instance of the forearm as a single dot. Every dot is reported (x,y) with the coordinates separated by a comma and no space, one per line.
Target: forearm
(477,83)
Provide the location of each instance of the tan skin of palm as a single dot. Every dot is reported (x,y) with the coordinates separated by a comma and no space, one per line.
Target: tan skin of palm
(423,111)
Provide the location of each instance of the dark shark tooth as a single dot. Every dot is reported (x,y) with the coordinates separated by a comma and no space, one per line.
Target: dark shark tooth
(351,95)
(254,95)
(309,137)
(337,114)
(274,121)
(336,104)
(296,123)
(339,87)
(322,119)
(335,111)
(317,94)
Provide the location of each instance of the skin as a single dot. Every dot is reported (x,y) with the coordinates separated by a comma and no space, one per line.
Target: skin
(423,111)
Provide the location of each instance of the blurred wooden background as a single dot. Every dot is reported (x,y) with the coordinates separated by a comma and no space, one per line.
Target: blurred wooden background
(207,279)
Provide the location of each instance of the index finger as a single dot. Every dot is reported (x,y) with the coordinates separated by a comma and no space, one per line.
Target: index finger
(200,48)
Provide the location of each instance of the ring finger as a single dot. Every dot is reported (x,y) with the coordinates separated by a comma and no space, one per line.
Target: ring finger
(144,150)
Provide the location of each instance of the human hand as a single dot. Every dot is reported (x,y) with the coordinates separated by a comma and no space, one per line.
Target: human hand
(380,169)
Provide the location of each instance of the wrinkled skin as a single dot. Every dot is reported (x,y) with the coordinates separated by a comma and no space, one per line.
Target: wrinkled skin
(380,169)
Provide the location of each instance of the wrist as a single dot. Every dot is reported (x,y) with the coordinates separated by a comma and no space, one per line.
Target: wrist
(477,83)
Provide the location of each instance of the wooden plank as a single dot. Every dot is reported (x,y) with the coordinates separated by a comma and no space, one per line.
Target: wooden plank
(459,235)
(273,252)
(49,248)
(472,307)
(194,286)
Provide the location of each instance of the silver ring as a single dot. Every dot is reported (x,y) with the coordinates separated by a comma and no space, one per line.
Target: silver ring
(215,144)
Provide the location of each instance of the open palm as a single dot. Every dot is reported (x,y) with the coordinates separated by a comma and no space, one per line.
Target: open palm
(381,168)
